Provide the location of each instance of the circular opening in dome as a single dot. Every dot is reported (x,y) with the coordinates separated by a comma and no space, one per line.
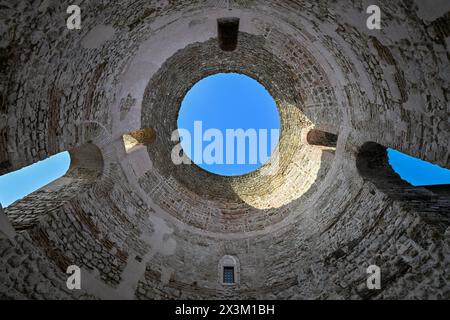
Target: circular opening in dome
(228,124)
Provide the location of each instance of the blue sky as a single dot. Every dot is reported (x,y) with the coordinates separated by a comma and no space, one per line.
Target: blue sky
(222,101)
(228,101)
(16,185)
(416,171)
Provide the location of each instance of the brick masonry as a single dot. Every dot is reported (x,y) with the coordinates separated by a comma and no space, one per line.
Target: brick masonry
(142,228)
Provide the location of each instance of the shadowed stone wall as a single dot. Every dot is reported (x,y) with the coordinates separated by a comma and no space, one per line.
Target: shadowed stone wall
(143,228)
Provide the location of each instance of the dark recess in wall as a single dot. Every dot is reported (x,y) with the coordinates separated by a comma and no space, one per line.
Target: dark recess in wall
(228,29)
(322,138)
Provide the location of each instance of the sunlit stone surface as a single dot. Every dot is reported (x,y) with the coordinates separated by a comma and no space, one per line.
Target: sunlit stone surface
(140,227)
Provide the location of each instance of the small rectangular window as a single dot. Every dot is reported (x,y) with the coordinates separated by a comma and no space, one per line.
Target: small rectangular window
(228,30)
(228,275)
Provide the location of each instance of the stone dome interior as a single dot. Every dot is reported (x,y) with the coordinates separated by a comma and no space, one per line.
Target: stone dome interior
(141,227)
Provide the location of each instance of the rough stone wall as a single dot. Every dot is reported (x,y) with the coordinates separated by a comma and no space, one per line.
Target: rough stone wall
(142,230)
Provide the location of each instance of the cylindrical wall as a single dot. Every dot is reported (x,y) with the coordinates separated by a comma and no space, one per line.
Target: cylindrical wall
(148,229)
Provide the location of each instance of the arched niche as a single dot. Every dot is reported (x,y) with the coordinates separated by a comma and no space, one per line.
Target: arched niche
(431,204)
(317,137)
(229,271)
(142,137)
(86,167)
